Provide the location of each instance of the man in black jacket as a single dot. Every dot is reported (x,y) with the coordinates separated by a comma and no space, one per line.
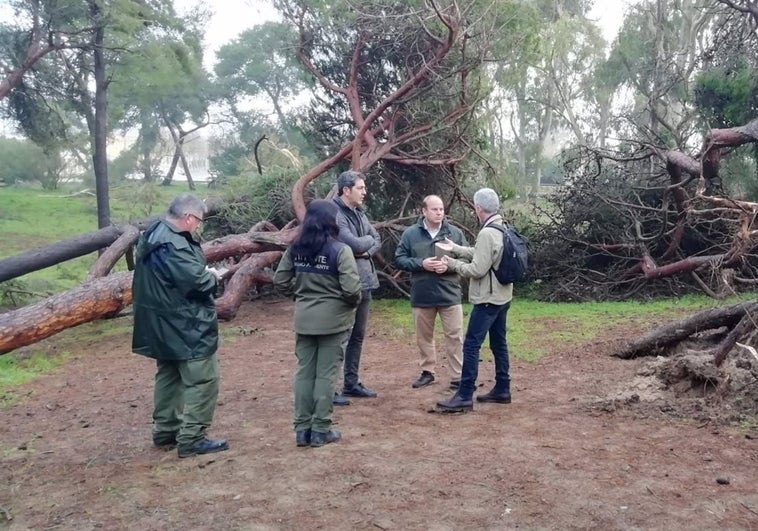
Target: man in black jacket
(433,294)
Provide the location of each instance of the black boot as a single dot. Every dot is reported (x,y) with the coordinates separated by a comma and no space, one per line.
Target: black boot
(303,437)
(339,400)
(320,439)
(425,379)
(496,397)
(456,404)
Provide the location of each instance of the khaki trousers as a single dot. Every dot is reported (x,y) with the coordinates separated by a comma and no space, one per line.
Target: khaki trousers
(452,327)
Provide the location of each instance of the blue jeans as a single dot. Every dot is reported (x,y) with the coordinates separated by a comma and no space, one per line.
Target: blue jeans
(485,318)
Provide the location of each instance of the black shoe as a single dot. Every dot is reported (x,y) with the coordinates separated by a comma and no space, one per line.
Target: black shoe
(340,400)
(203,446)
(303,437)
(166,442)
(497,398)
(455,385)
(425,379)
(456,404)
(358,390)
(320,439)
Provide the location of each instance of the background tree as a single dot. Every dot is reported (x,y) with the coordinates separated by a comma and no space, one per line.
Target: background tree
(63,97)
(398,85)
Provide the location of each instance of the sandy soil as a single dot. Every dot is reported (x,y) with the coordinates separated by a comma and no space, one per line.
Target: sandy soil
(566,454)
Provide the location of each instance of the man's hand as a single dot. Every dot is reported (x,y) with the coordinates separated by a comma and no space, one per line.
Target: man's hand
(218,273)
(435,265)
(431,264)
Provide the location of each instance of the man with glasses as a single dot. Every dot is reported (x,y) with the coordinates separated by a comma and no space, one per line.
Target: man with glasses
(175,323)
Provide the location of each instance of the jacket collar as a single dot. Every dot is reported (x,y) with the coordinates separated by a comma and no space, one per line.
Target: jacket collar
(494,219)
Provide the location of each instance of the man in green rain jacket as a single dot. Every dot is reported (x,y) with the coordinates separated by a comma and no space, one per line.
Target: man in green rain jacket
(175,323)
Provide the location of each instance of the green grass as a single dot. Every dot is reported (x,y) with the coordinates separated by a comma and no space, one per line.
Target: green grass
(32,217)
(538,328)
(16,370)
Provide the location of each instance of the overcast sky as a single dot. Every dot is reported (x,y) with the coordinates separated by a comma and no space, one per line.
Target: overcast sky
(231,17)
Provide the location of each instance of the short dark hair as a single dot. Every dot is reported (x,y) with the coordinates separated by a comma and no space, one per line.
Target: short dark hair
(348,179)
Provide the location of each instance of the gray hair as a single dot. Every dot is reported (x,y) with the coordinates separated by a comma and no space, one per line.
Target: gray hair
(186,204)
(348,178)
(487,200)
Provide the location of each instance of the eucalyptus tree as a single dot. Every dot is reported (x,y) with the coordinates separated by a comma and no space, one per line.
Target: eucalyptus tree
(548,95)
(62,97)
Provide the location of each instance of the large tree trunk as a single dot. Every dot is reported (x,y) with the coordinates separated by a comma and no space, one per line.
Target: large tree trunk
(102,297)
(42,257)
(248,275)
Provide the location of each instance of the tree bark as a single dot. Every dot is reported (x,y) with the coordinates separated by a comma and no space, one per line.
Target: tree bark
(249,274)
(42,257)
(102,297)
(108,259)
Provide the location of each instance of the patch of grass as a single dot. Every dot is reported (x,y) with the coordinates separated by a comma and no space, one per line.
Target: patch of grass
(31,218)
(16,370)
(537,328)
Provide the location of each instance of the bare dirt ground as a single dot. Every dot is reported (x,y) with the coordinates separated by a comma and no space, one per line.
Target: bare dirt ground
(566,454)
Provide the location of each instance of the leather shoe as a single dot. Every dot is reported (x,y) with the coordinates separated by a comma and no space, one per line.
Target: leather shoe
(425,379)
(497,398)
(358,390)
(320,439)
(340,400)
(455,385)
(303,437)
(203,446)
(456,404)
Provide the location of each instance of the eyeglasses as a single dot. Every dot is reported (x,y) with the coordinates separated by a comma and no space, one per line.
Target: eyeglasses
(199,220)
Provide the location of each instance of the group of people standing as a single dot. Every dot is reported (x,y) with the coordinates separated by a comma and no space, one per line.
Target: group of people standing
(330,272)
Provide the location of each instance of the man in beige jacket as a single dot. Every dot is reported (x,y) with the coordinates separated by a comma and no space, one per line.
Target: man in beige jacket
(491,301)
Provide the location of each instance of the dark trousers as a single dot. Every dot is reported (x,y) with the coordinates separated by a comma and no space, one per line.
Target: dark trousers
(355,343)
(485,319)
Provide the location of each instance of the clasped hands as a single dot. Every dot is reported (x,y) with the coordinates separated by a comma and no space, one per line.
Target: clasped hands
(438,265)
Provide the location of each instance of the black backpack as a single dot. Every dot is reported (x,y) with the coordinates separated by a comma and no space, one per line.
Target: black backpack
(515,261)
